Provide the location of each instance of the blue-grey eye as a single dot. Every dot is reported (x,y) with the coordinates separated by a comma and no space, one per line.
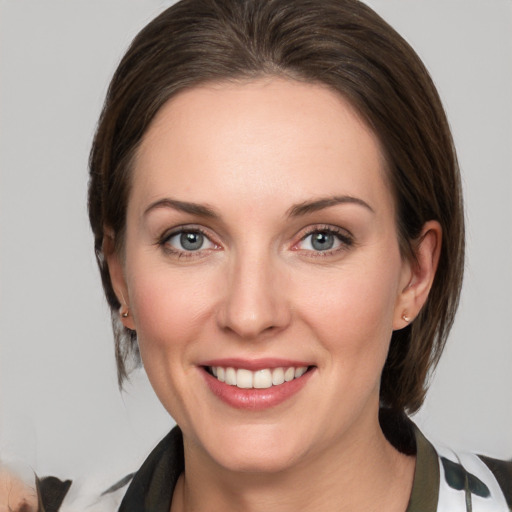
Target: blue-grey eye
(191,241)
(322,241)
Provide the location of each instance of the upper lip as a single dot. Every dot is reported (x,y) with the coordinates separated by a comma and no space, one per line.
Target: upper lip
(255,364)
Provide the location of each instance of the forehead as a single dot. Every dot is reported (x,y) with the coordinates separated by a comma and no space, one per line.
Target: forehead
(256,138)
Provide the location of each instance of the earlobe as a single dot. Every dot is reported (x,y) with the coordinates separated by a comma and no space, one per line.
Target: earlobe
(422,271)
(117,278)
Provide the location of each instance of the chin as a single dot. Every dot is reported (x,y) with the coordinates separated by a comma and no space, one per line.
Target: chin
(257,448)
(248,461)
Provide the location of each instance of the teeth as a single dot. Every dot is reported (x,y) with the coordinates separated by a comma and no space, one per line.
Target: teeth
(243,379)
(277,376)
(299,372)
(230,376)
(289,374)
(260,379)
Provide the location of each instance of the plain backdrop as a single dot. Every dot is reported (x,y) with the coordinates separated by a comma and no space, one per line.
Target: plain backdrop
(60,409)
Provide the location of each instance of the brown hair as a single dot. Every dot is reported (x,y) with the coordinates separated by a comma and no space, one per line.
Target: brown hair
(342,44)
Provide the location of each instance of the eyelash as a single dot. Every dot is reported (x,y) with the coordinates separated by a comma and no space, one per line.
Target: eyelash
(344,238)
(167,248)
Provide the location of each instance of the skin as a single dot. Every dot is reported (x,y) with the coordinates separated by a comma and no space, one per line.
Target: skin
(16,495)
(252,152)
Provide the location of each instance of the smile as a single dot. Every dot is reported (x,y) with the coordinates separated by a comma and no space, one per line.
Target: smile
(259,379)
(256,385)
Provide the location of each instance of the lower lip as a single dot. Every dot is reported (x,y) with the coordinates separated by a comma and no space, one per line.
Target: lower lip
(255,399)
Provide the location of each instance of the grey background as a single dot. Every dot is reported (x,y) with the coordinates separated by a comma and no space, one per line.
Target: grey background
(60,410)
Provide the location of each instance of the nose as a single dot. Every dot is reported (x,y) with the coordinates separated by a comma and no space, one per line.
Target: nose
(254,303)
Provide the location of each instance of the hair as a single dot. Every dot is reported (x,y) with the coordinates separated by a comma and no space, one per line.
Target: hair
(342,44)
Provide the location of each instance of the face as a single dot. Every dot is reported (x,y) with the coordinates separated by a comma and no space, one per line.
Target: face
(262,271)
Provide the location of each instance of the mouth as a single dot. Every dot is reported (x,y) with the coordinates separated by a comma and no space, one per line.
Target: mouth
(260,379)
(256,385)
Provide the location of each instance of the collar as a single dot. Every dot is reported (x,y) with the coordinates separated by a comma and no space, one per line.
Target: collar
(153,485)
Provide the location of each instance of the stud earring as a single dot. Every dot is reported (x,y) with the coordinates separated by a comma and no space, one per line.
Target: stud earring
(124,312)
(405,317)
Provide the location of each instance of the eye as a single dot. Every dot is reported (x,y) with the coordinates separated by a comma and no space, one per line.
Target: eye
(187,240)
(325,240)
(320,241)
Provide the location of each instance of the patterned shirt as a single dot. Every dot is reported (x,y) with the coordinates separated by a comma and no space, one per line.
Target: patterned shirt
(444,481)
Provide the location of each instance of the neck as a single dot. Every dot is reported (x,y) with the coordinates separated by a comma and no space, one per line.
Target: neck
(361,472)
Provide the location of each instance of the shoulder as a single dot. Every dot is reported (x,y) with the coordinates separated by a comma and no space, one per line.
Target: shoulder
(481,483)
(447,480)
(89,493)
(135,492)
(22,491)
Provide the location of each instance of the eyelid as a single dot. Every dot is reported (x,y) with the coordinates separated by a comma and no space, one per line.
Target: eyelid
(186,228)
(345,238)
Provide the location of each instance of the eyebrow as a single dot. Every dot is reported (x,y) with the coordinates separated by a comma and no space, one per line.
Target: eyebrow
(295,211)
(182,206)
(326,202)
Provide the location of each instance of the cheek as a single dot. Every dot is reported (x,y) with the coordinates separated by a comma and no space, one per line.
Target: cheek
(170,311)
(352,311)
(169,307)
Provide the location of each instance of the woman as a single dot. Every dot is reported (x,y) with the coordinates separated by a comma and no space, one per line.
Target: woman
(278,222)
(304,231)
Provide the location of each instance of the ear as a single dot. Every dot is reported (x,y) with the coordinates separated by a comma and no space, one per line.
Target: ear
(117,277)
(418,275)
